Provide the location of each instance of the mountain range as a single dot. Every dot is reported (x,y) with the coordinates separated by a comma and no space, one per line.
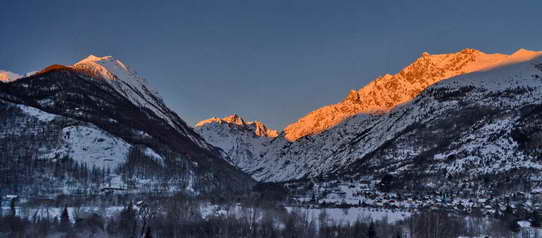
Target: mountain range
(445,121)
(387,92)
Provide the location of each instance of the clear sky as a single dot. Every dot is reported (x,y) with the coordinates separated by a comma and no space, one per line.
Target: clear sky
(272,61)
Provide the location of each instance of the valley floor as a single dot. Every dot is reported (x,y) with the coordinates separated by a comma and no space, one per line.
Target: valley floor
(192,217)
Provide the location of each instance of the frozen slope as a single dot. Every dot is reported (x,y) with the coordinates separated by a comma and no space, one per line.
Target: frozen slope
(135,88)
(54,136)
(242,141)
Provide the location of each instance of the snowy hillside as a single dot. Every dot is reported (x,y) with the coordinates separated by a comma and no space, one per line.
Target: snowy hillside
(82,141)
(100,114)
(241,140)
(135,88)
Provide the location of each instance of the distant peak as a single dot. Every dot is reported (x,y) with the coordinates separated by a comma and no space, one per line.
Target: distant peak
(6,76)
(235,119)
(106,67)
(231,119)
(470,51)
(522,50)
(259,128)
(262,130)
(93,58)
(525,52)
(425,54)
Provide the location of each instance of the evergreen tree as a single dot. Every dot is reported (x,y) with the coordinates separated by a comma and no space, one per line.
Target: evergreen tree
(508,213)
(514,227)
(371,233)
(148,233)
(386,183)
(128,220)
(536,220)
(12,207)
(65,220)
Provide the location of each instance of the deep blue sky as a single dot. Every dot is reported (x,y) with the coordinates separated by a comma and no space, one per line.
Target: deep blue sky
(272,61)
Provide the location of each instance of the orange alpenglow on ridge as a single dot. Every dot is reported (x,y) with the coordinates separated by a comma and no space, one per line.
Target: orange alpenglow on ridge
(260,128)
(6,76)
(389,91)
(54,67)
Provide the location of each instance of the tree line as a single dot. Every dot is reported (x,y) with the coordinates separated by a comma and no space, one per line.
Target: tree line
(185,216)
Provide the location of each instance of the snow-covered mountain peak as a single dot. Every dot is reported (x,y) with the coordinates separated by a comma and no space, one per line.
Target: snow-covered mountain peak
(6,76)
(387,92)
(523,51)
(93,58)
(245,142)
(262,130)
(231,119)
(134,87)
(259,128)
(235,119)
(107,67)
(463,61)
(522,55)
(110,68)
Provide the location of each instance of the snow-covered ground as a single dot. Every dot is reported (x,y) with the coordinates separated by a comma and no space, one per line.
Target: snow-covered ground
(37,113)
(92,146)
(52,212)
(346,216)
(334,215)
(338,216)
